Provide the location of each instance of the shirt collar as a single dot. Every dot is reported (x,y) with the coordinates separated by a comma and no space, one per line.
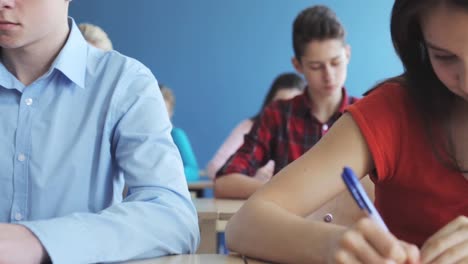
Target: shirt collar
(71,60)
(307,103)
(7,79)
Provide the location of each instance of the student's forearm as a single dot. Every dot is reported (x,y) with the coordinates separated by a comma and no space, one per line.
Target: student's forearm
(128,226)
(236,186)
(262,229)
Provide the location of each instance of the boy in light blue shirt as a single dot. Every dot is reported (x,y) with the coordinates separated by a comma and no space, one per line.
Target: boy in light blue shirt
(76,123)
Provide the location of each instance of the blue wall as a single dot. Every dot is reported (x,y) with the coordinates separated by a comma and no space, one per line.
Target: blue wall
(220,56)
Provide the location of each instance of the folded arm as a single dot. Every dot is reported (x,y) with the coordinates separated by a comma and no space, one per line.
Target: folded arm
(157,217)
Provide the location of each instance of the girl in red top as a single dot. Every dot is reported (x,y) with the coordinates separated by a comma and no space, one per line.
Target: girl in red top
(410,134)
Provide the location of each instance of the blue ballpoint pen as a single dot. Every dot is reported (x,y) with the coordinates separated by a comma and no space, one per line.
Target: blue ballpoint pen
(360,196)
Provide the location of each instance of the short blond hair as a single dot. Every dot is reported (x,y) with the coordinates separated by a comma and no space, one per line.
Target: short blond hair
(169,98)
(95,36)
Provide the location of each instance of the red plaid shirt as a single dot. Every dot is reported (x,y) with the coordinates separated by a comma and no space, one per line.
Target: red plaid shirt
(283,132)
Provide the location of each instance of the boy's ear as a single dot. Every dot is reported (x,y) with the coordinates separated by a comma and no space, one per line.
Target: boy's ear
(348,51)
(297,65)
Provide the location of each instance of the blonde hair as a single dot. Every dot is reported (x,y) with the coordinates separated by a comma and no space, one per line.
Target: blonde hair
(169,98)
(95,36)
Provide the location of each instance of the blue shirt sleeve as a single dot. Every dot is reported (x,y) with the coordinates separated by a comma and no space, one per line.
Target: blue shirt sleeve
(157,217)
(188,156)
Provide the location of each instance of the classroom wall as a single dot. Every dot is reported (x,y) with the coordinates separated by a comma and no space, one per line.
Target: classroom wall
(220,56)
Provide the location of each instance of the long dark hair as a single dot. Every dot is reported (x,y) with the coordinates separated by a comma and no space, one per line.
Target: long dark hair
(285,81)
(431,97)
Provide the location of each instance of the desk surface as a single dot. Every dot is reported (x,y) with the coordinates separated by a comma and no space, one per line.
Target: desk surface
(223,208)
(200,184)
(210,212)
(206,210)
(198,259)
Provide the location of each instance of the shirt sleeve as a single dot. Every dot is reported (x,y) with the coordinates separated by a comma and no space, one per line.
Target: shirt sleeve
(379,116)
(229,147)
(188,157)
(157,217)
(256,149)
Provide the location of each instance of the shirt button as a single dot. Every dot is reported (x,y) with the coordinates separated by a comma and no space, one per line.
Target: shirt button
(325,127)
(18,216)
(328,218)
(21,157)
(28,101)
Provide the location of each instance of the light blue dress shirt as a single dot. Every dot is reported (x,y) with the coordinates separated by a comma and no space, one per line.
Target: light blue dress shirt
(70,140)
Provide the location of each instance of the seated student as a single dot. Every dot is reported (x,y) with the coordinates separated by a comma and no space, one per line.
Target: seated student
(76,124)
(95,36)
(410,133)
(181,139)
(286,129)
(285,86)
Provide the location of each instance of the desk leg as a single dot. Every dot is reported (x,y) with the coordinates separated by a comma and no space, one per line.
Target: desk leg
(208,242)
(200,193)
(197,194)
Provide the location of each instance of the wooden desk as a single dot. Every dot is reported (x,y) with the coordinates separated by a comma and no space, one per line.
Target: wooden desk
(207,218)
(200,185)
(210,211)
(225,208)
(198,259)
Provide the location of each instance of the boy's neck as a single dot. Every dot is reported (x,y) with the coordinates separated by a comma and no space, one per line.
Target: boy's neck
(30,62)
(324,107)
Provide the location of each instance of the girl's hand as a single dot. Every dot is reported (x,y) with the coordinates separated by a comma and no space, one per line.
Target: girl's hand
(367,242)
(448,245)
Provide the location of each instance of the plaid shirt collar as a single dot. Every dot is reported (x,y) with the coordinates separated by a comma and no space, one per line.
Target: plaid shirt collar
(306,104)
